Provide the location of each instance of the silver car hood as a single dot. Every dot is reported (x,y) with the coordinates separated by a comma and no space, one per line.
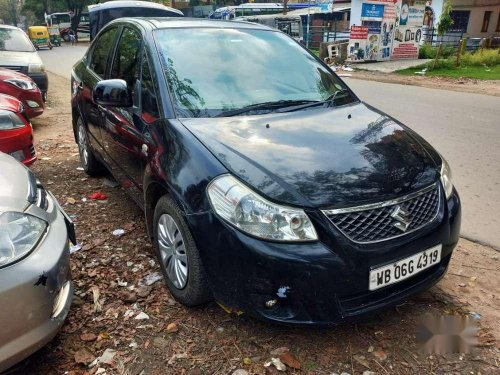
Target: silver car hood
(17,185)
(12,58)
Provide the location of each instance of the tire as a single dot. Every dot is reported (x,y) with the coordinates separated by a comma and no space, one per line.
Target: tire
(90,164)
(193,290)
(66,37)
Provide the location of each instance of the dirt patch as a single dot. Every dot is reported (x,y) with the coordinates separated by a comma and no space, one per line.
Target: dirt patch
(140,329)
(475,86)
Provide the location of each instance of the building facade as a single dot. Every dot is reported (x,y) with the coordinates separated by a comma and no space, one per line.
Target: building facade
(477,18)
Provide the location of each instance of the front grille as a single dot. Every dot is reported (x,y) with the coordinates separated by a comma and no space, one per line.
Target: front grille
(32,150)
(41,198)
(375,222)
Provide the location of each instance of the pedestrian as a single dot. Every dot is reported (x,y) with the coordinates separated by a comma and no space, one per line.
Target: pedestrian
(72,37)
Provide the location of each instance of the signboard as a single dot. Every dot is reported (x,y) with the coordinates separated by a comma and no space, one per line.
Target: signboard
(358,32)
(372,12)
(416,12)
(406,42)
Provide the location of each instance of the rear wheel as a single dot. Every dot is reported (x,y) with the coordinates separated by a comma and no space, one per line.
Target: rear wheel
(178,255)
(89,162)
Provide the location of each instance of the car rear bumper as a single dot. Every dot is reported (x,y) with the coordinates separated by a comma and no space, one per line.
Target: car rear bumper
(324,282)
(29,291)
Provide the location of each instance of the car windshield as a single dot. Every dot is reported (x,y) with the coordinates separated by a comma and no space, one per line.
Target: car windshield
(14,40)
(213,71)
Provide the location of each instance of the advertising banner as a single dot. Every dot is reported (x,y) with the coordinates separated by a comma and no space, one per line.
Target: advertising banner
(416,12)
(406,42)
(372,12)
(357,42)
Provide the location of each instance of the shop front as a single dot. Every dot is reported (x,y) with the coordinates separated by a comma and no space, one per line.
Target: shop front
(386,29)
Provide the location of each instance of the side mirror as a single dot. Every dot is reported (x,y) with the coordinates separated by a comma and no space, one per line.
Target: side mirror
(112,93)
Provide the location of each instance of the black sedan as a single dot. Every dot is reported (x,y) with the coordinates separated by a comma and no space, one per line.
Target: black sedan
(266,184)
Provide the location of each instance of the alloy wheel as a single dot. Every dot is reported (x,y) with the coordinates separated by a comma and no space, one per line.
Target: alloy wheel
(172,251)
(82,145)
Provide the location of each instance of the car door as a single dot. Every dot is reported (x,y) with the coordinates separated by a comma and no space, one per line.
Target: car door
(125,132)
(96,70)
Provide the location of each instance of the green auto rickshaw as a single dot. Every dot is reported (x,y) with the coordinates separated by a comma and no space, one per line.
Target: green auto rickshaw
(55,36)
(39,36)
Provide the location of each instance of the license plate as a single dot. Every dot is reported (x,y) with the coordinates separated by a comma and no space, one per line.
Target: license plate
(404,268)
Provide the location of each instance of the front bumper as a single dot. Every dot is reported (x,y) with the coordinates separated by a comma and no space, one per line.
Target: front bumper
(19,144)
(41,80)
(29,291)
(324,282)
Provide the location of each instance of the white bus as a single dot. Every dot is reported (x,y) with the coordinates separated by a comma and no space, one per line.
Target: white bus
(247,9)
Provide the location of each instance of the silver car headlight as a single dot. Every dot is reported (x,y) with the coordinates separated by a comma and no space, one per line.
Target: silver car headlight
(36,68)
(23,84)
(246,210)
(446,178)
(19,234)
(10,120)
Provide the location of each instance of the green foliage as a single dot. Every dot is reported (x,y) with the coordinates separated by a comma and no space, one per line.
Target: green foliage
(429,52)
(488,57)
(482,64)
(445,20)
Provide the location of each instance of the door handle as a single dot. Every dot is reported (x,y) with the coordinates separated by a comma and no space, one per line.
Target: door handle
(144,149)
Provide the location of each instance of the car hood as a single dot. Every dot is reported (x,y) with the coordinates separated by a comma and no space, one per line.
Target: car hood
(9,103)
(12,58)
(17,184)
(10,74)
(321,157)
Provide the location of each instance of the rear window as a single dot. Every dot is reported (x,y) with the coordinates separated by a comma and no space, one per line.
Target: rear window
(15,40)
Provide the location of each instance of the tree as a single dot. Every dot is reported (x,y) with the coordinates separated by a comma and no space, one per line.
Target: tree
(444,25)
(77,7)
(9,11)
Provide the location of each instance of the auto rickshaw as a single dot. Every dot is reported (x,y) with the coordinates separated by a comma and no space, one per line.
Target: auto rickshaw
(55,36)
(39,36)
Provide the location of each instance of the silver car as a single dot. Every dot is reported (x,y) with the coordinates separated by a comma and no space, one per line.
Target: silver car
(35,286)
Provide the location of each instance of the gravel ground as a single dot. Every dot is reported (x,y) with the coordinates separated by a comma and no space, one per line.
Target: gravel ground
(138,329)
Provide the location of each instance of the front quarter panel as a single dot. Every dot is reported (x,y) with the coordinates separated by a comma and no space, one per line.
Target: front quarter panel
(181,165)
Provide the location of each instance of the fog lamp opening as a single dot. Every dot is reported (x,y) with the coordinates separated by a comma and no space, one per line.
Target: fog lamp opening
(32,104)
(61,299)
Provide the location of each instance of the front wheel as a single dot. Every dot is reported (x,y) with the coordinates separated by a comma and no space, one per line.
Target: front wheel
(178,255)
(90,164)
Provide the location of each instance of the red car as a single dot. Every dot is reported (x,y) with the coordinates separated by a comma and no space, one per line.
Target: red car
(23,88)
(16,134)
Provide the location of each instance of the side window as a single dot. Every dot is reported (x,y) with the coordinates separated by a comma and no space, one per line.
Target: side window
(149,102)
(127,58)
(100,53)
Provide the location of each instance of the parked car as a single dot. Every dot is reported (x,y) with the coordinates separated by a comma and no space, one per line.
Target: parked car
(17,53)
(35,286)
(16,133)
(23,88)
(269,187)
(101,14)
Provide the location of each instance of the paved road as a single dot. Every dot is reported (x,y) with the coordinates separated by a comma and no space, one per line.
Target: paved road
(464,127)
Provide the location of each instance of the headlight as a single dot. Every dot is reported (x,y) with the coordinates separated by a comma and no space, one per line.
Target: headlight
(243,208)
(10,120)
(36,68)
(22,83)
(19,234)
(446,178)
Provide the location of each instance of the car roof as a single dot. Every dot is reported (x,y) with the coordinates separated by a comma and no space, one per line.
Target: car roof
(9,27)
(126,4)
(185,22)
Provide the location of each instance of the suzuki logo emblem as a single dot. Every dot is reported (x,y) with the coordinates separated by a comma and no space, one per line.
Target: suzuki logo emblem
(402,217)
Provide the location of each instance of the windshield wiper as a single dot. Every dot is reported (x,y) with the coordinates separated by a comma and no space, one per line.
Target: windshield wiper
(330,100)
(267,105)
